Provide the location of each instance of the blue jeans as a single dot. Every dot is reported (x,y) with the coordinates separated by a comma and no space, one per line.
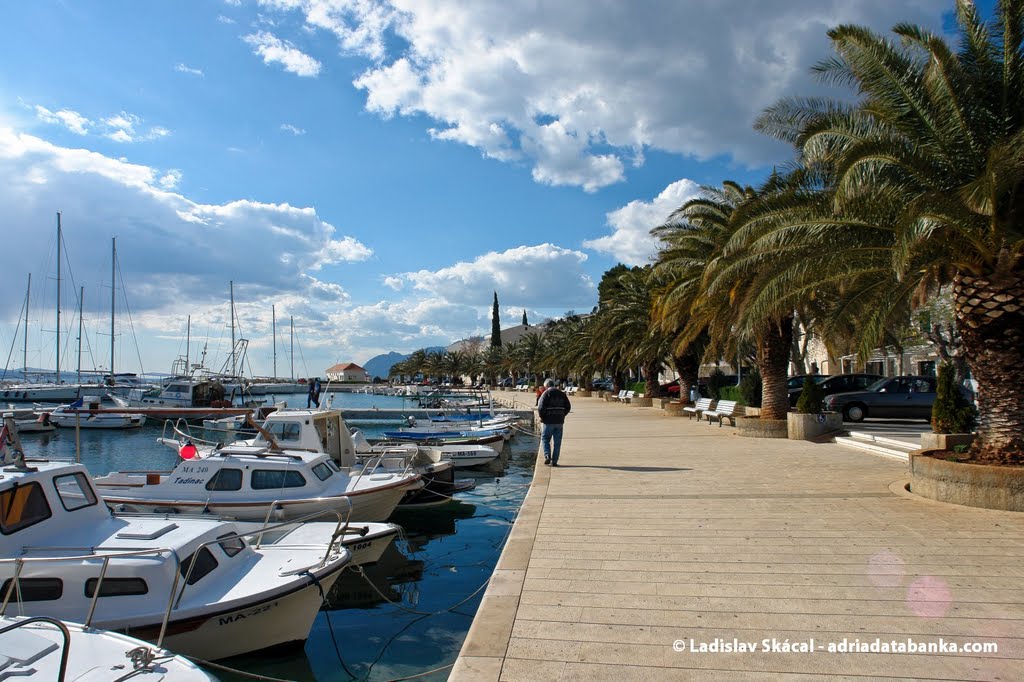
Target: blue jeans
(548,433)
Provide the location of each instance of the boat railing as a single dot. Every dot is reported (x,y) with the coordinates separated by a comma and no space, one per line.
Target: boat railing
(340,529)
(181,429)
(371,463)
(91,554)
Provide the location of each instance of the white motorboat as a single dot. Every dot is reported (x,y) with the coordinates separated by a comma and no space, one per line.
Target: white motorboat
(193,585)
(460,456)
(50,649)
(82,414)
(30,419)
(286,469)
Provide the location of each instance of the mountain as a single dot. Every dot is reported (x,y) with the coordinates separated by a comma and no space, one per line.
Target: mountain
(380,365)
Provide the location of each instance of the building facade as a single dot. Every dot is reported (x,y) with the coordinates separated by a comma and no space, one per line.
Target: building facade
(347,372)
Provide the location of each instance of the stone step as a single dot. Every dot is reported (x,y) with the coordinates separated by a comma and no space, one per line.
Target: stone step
(874,448)
(888,442)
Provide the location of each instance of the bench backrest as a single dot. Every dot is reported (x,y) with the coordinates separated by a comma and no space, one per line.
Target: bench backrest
(703,404)
(622,394)
(726,407)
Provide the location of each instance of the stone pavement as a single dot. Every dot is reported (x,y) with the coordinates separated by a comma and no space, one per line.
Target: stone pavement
(659,533)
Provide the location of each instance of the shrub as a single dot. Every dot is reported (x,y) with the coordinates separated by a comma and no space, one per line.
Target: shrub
(638,387)
(811,397)
(951,411)
(732,393)
(750,388)
(716,382)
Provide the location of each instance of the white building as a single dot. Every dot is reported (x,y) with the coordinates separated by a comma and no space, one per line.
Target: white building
(347,372)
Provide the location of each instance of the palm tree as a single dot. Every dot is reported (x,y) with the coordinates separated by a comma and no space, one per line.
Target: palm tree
(530,351)
(938,137)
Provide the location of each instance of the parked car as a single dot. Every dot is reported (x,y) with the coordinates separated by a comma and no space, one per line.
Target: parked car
(905,397)
(837,383)
(602,385)
(798,380)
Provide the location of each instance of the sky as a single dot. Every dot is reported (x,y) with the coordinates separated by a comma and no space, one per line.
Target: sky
(367,172)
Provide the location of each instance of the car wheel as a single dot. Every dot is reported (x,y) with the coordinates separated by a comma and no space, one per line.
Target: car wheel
(854,413)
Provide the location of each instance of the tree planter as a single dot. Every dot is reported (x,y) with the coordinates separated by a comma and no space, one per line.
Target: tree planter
(673,408)
(583,393)
(812,426)
(971,485)
(752,411)
(641,402)
(755,427)
(945,441)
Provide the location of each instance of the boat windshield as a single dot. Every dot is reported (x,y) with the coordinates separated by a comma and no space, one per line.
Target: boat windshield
(285,431)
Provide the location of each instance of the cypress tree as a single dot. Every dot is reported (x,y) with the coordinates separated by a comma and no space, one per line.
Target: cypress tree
(495,324)
(525,323)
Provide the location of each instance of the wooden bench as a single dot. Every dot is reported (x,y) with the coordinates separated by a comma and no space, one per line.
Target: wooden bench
(628,397)
(697,408)
(724,410)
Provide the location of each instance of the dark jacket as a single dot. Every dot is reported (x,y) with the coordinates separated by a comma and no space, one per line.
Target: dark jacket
(553,406)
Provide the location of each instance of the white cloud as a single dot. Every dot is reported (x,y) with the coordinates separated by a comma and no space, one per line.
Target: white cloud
(182,68)
(274,50)
(225,20)
(72,120)
(273,252)
(542,276)
(122,128)
(395,283)
(170,179)
(294,130)
(582,89)
(630,241)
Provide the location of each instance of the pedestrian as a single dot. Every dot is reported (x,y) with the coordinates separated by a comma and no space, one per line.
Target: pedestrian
(540,392)
(309,393)
(316,392)
(552,408)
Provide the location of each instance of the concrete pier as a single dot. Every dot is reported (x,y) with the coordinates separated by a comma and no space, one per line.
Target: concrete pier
(659,540)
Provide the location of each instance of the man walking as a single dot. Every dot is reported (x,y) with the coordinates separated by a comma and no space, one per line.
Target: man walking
(552,408)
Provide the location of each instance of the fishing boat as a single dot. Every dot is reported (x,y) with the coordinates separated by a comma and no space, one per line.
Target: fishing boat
(195,586)
(287,469)
(460,456)
(84,413)
(51,649)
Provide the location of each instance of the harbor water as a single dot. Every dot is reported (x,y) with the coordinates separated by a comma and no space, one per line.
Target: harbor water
(404,616)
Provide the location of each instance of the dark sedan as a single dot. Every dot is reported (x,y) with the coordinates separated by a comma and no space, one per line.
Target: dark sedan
(837,383)
(906,397)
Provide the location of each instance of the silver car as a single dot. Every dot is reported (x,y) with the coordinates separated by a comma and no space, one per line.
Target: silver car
(906,397)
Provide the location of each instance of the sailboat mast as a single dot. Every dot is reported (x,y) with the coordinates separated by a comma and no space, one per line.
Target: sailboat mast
(291,344)
(233,372)
(113,298)
(273,322)
(188,341)
(81,300)
(60,238)
(28,293)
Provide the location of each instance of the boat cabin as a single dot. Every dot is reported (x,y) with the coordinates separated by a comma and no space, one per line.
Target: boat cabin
(313,430)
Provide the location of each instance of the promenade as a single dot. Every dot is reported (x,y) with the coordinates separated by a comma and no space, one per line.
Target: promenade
(658,533)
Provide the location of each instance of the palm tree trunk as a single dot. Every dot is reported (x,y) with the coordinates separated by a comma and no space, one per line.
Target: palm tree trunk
(652,389)
(773,362)
(990,317)
(688,367)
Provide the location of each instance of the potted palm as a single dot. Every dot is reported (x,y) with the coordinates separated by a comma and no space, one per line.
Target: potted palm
(811,421)
(953,416)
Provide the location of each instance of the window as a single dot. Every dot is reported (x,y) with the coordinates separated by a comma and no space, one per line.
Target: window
(322,471)
(225,479)
(233,546)
(74,491)
(267,479)
(22,506)
(34,589)
(205,562)
(922,386)
(116,587)
(285,430)
(177,388)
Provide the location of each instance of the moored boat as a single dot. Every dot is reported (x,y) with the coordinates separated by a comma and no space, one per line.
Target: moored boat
(195,586)
(85,413)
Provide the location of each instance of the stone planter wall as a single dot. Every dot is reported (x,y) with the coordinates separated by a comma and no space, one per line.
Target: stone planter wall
(971,485)
(662,402)
(673,408)
(752,411)
(945,441)
(812,426)
(641,402)
(583,393)
(755,427)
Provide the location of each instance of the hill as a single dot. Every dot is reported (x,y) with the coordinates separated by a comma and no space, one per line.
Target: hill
(380,365)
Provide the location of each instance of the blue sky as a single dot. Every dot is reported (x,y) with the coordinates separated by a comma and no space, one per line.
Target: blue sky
(373,169)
